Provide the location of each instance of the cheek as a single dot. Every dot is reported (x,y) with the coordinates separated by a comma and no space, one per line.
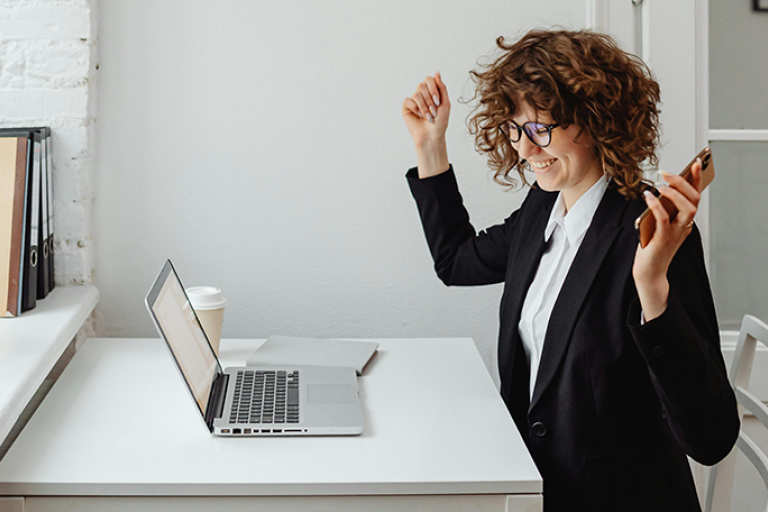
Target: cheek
(580,157)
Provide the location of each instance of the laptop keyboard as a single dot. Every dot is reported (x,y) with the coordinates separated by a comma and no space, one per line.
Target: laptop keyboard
(266,397)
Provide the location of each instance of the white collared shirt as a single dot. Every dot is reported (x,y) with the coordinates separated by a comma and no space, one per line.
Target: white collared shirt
(564,234)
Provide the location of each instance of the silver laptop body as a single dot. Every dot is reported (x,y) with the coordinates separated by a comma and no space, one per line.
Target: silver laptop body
(251,400)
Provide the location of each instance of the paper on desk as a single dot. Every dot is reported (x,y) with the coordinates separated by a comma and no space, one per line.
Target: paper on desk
(287,350)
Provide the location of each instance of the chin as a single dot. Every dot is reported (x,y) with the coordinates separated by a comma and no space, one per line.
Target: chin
(546,185)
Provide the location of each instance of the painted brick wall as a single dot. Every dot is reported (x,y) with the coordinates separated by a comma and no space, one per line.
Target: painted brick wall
(48,66)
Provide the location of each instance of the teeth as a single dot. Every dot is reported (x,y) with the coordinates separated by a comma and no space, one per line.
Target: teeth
(542,165)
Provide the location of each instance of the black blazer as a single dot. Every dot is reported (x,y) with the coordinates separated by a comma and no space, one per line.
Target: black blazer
(616,406)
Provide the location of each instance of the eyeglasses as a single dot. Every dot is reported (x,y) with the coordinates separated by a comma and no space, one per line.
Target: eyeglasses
(538,133)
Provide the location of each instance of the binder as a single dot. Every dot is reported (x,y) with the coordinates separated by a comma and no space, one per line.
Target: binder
(32,225)
(35,279)
(49,199)
(15,159)
(43,239)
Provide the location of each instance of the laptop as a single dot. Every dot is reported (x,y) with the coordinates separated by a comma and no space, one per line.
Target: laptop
(251,400)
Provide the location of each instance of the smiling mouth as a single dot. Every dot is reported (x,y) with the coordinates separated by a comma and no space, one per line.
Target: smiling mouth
(540,166)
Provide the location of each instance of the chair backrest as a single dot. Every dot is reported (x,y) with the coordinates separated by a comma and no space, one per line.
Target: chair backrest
(720,486)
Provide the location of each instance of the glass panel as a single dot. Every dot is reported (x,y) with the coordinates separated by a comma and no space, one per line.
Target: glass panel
(738,65)
(739,231)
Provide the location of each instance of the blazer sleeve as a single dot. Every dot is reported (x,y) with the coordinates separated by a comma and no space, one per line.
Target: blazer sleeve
(461,257)
(682,350)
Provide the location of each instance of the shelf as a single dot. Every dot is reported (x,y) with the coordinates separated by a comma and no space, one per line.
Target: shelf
(31,344)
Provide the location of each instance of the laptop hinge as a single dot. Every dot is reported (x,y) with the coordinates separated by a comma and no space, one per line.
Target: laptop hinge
(216,399)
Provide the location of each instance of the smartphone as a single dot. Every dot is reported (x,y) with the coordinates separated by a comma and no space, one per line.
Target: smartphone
(645,224)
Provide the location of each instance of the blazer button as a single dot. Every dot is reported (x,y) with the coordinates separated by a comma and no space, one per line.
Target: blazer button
(538,429)
(658,351)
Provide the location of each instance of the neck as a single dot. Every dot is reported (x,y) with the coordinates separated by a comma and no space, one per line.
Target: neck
(574,193)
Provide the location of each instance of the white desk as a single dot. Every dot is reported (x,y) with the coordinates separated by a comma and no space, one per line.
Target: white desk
(119,425)
(31,344)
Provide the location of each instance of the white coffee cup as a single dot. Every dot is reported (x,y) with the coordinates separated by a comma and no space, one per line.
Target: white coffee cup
(208,302)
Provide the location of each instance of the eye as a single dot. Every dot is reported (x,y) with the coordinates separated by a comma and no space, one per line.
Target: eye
(511,130)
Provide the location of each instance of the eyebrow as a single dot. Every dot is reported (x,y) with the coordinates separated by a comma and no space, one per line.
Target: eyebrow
(536,120)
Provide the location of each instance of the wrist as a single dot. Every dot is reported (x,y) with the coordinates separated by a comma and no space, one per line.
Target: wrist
(431,147)
(653,295)
(432,158)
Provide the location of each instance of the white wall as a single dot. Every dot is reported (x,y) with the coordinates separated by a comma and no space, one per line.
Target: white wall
(259,145)
(47,78)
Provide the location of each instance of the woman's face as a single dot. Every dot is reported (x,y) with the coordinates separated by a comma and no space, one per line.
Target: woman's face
(567,165)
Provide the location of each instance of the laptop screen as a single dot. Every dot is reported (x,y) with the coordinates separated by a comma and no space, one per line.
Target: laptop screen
(178,324)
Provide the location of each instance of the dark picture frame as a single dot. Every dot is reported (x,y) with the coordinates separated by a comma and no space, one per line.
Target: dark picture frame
(760,5)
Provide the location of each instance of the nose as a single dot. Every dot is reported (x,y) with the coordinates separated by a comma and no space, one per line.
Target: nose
(526,148)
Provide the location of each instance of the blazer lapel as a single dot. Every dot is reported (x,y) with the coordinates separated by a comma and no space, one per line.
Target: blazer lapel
(598,239)
(523,264)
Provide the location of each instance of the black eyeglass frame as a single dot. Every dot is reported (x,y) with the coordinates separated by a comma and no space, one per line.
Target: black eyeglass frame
(521,129)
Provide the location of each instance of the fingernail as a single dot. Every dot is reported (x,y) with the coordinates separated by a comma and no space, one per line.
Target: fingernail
(436,100)
(698,160)
(421,116)
(664,173)
(433,110)
(647,194)
(430,118)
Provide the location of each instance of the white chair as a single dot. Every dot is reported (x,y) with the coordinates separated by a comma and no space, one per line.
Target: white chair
(720,486)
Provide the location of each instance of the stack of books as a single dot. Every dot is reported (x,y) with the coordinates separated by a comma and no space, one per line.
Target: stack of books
(26,218)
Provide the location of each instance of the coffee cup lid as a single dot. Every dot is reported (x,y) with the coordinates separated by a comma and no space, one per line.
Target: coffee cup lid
(206,297)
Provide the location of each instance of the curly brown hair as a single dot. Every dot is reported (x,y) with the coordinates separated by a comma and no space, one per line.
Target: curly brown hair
(578,77)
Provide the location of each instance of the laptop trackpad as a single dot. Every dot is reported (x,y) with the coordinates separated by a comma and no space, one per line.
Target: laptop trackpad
(328,394)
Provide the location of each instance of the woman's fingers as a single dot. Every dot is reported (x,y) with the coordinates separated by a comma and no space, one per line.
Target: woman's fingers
(434,92)
(658,211)
(686,209)
(690,189)
(421,102)
(429,102)
(684,194)
(442,89)
(429,95)
(696,171)
(427,111)
(410,106)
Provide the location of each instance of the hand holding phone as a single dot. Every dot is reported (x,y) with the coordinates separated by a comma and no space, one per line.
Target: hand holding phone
(645,224)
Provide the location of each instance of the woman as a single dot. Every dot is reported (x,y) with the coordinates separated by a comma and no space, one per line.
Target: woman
(609,353)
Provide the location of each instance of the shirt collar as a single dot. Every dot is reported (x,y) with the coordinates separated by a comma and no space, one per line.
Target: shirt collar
(578,219)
